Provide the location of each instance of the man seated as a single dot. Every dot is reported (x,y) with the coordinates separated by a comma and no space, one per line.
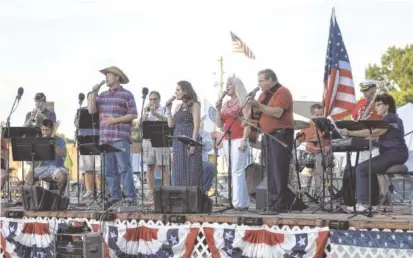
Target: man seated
(54,169)
(392,151)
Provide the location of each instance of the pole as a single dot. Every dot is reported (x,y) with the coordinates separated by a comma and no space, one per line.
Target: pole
(221,89)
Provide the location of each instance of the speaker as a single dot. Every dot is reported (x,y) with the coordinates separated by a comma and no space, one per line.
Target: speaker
(36,198)
(262,192)
(181,200)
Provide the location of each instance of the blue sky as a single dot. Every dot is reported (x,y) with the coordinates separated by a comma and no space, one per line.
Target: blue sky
(57,47)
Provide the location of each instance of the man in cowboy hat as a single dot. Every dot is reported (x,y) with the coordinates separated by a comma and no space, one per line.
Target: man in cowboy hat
(117,109)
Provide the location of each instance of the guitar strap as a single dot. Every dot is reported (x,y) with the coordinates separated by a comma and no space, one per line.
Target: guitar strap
(269,95)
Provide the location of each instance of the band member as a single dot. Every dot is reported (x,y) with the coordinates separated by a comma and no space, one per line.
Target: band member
(4,173)
(392,150)
(312,138)
(117,110)
(37,115)
(186,121)
(238,135)
(208,168)
(364,109)
(54,169)
(275,105)
(86,162)
(155,156)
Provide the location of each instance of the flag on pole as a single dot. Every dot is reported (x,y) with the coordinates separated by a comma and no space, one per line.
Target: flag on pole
(238,46)
(339,96)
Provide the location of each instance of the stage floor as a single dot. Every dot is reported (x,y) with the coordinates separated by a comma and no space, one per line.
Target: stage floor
(399,218)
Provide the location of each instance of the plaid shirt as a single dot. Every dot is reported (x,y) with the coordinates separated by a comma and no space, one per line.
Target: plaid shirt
(118,102)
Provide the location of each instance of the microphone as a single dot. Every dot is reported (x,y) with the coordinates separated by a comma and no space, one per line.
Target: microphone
(169,102)
(252,93)
(224,93)
(97,86)
(20,92)
(145,92)
(81,98)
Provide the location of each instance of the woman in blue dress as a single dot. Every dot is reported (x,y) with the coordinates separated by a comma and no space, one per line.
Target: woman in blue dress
(187,161)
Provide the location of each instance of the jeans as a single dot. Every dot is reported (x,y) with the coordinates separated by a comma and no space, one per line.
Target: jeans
(208,175)
(379,163)
(117,167)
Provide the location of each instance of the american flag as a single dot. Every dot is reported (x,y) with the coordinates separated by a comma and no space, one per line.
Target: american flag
(262,241)
(371,243)
(238,46)
(339,96)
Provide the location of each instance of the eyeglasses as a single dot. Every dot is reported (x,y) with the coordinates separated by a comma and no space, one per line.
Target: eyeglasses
(153,99)
(378,104)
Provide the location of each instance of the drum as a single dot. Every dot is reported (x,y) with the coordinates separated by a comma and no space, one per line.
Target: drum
(253,176)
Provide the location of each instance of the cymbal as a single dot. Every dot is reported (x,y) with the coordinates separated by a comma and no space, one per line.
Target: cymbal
(298,125)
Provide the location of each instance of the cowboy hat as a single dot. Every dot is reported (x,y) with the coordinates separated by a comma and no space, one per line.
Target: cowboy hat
(116,71)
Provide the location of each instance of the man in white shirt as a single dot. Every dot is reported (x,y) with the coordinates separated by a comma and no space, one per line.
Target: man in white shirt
(155,156)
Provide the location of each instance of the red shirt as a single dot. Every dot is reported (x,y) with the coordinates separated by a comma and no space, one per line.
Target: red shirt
(228,114)
(310,135)
(282,99)
(359,110)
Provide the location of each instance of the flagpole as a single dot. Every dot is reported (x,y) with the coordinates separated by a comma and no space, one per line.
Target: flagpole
(221,89)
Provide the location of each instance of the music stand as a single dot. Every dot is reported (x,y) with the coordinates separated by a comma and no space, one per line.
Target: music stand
(362,125)
(159,133)
(327,129)
(190,142)
(87,121)
(33,149)
(94,149)
(19,132)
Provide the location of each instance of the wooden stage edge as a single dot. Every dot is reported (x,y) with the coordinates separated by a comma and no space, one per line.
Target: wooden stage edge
(300,219)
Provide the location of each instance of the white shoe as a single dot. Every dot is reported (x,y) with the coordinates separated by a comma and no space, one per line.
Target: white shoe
(359,208)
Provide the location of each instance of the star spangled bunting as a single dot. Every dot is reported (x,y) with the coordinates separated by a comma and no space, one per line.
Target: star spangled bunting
(339,96)
(382,243)
(238,46)
(261,241)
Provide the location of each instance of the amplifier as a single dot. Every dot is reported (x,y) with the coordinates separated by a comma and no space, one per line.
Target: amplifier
(81,245)
(181,200)
(36,198)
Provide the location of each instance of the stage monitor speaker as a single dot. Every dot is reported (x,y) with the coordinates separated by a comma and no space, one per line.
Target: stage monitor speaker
(261,200)
(82,245)
(36,198)
(181,200)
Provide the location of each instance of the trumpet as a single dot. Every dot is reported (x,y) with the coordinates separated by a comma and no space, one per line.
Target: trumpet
(34,117)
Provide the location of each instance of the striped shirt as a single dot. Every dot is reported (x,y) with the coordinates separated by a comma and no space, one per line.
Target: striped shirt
(116,103)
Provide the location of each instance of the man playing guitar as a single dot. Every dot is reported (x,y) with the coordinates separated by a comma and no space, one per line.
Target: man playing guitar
(275,105)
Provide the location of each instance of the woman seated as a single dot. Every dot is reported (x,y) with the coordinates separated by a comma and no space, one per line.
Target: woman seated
(392,151)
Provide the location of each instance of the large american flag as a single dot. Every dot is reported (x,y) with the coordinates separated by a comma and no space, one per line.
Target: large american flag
(238,46)
(339,96)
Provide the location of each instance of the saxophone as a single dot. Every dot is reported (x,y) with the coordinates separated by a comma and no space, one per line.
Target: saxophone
(367,112)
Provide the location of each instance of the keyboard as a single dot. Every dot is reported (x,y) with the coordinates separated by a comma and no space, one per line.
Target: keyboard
(352,144)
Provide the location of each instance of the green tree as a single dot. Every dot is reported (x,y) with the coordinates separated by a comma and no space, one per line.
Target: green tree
(395,73)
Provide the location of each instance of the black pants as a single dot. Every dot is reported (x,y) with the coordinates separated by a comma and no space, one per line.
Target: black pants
(278,162)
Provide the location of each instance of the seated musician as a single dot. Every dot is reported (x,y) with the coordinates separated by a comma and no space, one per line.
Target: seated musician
(392,151)
(54,169)
(309,135)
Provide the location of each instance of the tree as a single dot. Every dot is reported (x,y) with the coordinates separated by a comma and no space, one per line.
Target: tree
(395,73)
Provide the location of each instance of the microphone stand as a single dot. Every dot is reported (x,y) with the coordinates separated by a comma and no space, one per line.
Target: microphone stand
(13,108)
(77,152)
(141,147)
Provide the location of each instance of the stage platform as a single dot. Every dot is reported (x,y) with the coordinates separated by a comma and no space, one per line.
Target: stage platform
(398,219)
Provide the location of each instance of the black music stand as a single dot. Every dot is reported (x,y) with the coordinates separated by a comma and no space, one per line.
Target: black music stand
(87,121)
(95,149)
(327,129)
(361,125)
(33,149)
(189,142)
(19,132)
(159,133)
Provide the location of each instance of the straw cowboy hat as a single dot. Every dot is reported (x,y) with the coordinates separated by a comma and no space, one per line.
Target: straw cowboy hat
(116,71)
